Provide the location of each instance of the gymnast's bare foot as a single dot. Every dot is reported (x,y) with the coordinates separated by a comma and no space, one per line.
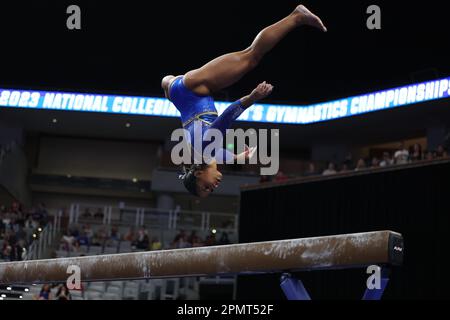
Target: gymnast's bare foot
(304,16)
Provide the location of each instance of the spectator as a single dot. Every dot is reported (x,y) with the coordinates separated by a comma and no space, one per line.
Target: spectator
(386,161)
(63,293)
(224,239)
(416,152)
(18,213)
(19,250)
(193,238)
(211,239)
(88,231)
(198,243)
(181,234)
(87,214)
(311,171)
(264,179)
(8,223)
(440,151)
(375,163)
(74,232)
(83,239)
(31,224)
(45,293)
(129,236)
(7,251)
(401,156)
(142,240)
(11,237)
(330,170)
(349,160)
(68,242)
(36,215)
(156,244)
(99,214)
(16,208)
(360,165)
(428,155)
(280,176)
(114,234)
(101,236)
(76,245)
(96,240)
(15,231)
(181,240)
(24,252)
(345,167)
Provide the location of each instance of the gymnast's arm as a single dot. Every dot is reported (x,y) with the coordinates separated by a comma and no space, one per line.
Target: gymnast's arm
(259,93)
(223,156)
(225,120)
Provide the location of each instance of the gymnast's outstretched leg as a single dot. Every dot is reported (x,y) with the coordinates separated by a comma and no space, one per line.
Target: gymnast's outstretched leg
(225,70)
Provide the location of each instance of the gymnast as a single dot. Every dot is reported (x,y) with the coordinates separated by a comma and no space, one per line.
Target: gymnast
(191,95)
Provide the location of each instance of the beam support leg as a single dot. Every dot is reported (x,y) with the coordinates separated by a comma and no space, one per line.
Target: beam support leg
(293,288)
(377,293)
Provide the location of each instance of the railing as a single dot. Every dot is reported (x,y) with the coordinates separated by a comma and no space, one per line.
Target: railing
(74,213)
(156,218)
(44,239)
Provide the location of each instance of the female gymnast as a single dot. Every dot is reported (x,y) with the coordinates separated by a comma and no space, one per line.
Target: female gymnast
(191,94)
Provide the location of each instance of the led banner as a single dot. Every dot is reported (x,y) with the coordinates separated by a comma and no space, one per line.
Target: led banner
(289,114)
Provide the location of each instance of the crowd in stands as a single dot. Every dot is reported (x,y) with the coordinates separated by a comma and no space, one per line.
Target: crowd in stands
(401,156)
(137,239)
(98,215)
(77,237)
(182,240)
(62,292)
(17,227)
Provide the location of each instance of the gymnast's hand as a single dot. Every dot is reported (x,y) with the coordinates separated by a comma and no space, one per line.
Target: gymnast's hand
(247,154)
(261,91)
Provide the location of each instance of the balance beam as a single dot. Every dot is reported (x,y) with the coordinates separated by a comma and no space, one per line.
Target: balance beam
(329,252)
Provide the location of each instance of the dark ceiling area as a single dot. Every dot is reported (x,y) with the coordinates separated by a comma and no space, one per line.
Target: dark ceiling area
(126,47)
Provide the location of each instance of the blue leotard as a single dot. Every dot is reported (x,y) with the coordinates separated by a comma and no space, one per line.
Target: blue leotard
(195,108)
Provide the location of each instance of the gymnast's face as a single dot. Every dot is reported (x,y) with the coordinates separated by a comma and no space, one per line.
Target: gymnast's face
(208,179)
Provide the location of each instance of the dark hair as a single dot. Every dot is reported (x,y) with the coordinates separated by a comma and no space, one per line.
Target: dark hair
(66,295)
(189,179)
